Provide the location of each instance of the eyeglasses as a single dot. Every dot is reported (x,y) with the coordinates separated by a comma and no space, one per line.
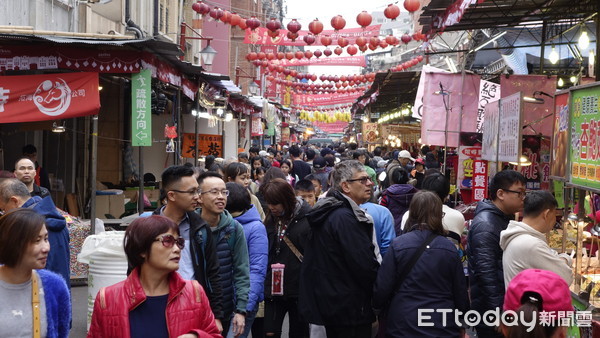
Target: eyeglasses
(216,192)
(190,192)
(521,194)
(362,180)
(168,241)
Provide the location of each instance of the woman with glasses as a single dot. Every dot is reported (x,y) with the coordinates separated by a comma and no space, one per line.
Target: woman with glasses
(154,301)
(33,302)
(421,271)
(287,231)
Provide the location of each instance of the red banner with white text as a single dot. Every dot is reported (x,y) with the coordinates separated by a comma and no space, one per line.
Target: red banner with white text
(317,100)
(28,98)
(358,61)
(260,36)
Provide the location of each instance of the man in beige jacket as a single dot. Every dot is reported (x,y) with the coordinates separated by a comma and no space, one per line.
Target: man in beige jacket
(524,243)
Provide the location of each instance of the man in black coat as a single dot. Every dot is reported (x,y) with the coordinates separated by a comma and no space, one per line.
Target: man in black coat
(299,167)
(340,267)
(507,192)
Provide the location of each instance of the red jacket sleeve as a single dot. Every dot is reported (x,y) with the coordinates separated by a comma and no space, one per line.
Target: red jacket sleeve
(207,320)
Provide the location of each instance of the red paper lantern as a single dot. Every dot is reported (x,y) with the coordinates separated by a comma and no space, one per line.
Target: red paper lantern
(309,39)
(253,23)
(313,77)
(420,58)
(343,78)
(287,72)
(326,40)
(264,63)
(336,78)
(201,8)
(342,41)
(361,41)
(364,19)
(391,40)
(338,85)
(270,56)
(362,48)
(289,55)
(338,50)
(308,54)
(329,78)
(216,13)
(299,55)
(242,24)
(235,19)
(338,22)
(271,67)
(412,5)
(261,55)
(317,53)
(280,56)
(279,69)
(315,27)
(374,41)
(391,11)
(293,73)
(294,26)
(323,78)
(327,52)
(352,50)
(405,38)
(373,47)
(383,44)
(273,25)
(226,18)
(256,63)
(270,78)
(292,36)
(252,56)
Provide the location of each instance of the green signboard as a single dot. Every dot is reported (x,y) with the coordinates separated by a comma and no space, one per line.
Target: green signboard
(585,137)
(141,118)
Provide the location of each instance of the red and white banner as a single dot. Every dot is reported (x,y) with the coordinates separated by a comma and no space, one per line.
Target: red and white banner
(331,128)
(317,100)
(479,180)
(260,36)
(28,98)
(358,61)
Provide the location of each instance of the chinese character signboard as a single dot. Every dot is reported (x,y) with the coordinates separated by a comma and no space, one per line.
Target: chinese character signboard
(560,137)
(141,119)
(28,98)
(539,168)
(585,137)
(256,128)
(479,180)
(371,132)
(466,159)
(488,92)
(489,147)
(509,132)
(207,145)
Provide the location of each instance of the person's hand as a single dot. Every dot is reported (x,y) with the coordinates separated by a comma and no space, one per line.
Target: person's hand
(188,335)
(237,323)
(219,325)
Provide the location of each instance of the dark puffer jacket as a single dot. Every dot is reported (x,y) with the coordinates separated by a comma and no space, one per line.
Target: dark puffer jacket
(485,257)
(397,198)
(339,266)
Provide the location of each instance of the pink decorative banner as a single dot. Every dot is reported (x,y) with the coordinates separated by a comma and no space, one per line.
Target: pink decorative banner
(534,115)
(358,61)
(331,128)
(260,36)
(313,100)
(433,123)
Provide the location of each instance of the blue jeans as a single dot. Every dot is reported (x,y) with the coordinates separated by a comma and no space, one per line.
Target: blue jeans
(250,315)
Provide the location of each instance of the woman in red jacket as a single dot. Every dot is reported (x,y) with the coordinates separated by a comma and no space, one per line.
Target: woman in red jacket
(154,301)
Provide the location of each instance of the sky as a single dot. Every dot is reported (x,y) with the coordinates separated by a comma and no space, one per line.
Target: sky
(306,11)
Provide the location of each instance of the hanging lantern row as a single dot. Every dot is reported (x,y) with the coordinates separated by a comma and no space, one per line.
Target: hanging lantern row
(320,116)
(313,77)
(338,22)
(408,64)
(345,87)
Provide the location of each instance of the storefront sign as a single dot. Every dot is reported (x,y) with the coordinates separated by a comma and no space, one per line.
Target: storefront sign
(141,118)
(479,180)
(285,135)
(560,137)
(257,127)
(509,132)
(489,149)
(207,145)
(488,92)
(371,132)
(27,98)
(585,137)
(467,155)
(261,36)
(358,61)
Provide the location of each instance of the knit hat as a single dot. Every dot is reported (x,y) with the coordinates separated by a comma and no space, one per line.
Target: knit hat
(553,290)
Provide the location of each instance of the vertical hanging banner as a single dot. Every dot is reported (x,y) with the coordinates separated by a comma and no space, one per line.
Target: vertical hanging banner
(141,119)
(584,150)
(509,132)
(479,180)
(488,92)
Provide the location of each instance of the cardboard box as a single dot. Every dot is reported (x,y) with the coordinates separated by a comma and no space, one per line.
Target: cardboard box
(110,204)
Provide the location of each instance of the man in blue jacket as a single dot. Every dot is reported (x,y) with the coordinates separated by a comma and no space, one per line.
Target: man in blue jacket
(14,194)
(507,192)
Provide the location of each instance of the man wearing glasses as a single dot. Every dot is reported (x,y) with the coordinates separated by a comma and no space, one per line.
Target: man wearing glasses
(199,257)
(232,251)
(339,266)
(507,191)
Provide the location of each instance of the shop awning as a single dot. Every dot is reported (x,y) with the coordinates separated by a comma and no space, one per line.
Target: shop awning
(392,89)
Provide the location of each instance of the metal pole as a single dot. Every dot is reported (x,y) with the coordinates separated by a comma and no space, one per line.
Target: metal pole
(93,173)
(460,116)
(74,156)
(196,141)
(141,181)
(543,46)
